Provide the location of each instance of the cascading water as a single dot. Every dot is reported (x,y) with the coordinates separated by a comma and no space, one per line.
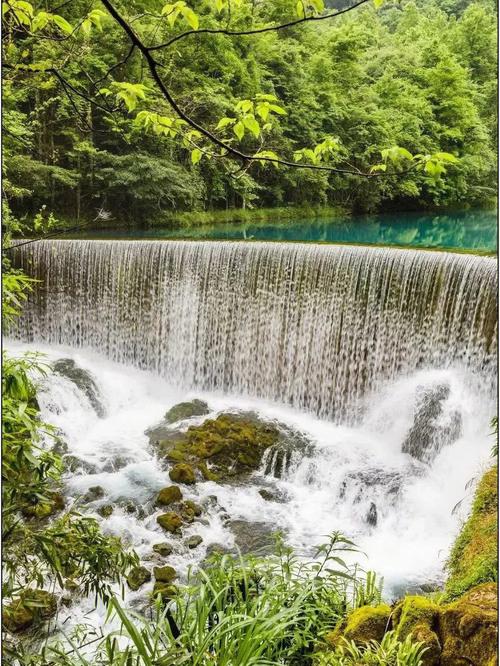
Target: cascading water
(316,327)
(395,348)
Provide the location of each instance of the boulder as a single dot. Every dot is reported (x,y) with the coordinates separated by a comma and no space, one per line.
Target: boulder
(164,574)
(137,577)
(105,510)
(186,410)
(170,521)
(194,541)
(83,380)
(182,473)
(164,549)
(165,591)
(418,616)
(468,628)
(30,608)
(93,493)
(169,495)
(362,625)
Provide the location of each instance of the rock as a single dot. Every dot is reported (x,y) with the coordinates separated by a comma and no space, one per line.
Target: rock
(253,537)
(217,549)
(115,464)
(170,521)
(53,504)
(164,549)
(93,493)
(74,464)
(105,510)
(182,473)
(371,516)
(368,623)
(164,574)
(194,541)
(228,445)
(418,616)
(169,495)
(185,410)
(165,591)
(432,427)
(272,495)
(30,608)
(137,577)
(192,506)
(468,628)
(83,380)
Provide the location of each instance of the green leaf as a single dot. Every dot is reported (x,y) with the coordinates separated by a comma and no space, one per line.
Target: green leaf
(239,130)
(378,3)
(191,17)
(224,122)
(196,155)
(277,109)
(299,8)
(62,24)
(251,124)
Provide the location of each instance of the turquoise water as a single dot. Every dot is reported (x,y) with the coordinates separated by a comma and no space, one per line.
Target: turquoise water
(463,230)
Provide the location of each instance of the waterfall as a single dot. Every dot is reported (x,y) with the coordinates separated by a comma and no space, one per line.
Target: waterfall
(317,327)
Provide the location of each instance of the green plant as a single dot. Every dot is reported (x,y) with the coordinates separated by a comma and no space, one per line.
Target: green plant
(389,652)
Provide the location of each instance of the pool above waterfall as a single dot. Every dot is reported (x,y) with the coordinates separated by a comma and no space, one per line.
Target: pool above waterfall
(474,230)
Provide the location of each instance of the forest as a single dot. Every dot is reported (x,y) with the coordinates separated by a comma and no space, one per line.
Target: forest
(419,75)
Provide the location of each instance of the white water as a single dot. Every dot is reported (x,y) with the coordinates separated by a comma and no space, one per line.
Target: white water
(409,544)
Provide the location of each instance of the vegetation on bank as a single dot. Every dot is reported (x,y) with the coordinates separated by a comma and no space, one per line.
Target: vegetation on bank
(417,78)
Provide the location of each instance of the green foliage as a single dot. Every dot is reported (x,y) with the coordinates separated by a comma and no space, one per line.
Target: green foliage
(474,556)
(389,652)
(416,84)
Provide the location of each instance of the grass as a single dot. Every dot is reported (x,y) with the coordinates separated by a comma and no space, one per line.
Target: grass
(474,556)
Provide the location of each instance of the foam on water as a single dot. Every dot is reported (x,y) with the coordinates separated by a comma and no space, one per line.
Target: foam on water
(329,486)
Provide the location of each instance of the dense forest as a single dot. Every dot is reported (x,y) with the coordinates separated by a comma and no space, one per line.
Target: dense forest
(419,75)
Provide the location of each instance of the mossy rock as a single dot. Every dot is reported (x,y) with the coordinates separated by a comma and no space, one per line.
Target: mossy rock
(225,446)
(192,506)
(53,504)
(165,590)
(186,410)
(164,549)
(137,577)
(30,608)
(194,541)
(183,473)
(368,623)
(105,510)
(468,628)
(93,493)
(169,495)
(170,521)
(418,616)
(164,574)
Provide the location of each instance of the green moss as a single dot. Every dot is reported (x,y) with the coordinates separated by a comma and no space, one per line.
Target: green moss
(170,521)
(474,556)
(221,447)
(368,623)
(43,509)
(169,495)
(165,591)
(137,577)
(413,611)
(29,609)
(164,574)
(105,511)
(164,549)
(182,473)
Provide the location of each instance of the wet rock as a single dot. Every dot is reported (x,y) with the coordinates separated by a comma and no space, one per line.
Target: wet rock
(186,410)
(165,591)
(362,625)
(164,549)
(169,495)
(74,464)
(170,521)
(192,506)
(137,577)
(273,495)
(194,541)
(30,608)
(115,464)
(223,447)
(253,537)
(371,516)
(182,473)
(83,380)
(217,549)
(105,510)
(432,427)
(93,493)
(164,574)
